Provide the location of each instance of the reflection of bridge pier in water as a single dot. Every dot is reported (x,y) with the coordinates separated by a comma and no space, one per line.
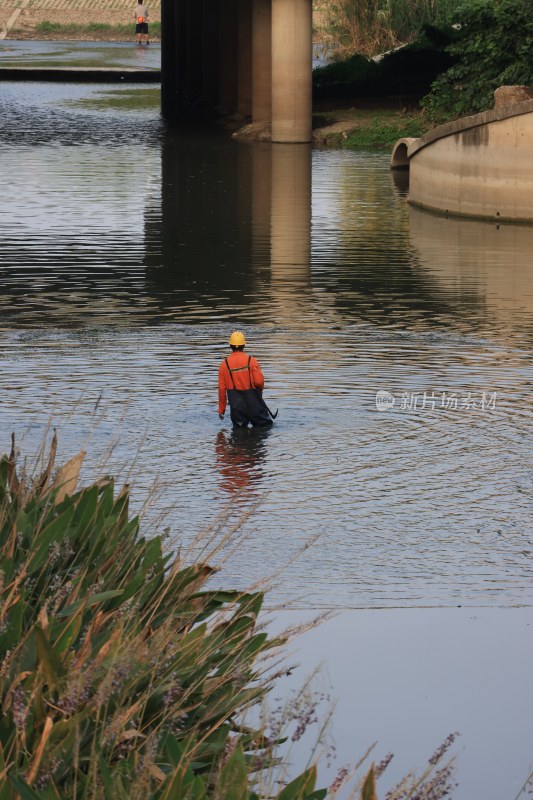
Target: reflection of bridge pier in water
(199,243)
(235,224)
(281,224)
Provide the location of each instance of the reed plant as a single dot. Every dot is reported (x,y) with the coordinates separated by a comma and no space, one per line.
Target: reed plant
(123,676)
(372,27)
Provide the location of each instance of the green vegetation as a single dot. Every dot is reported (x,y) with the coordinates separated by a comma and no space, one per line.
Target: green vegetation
(122,676)
(373,128)
(407,73)
(93,29)
(452,67)
(492,49)
(371,27)
(459,53)
(383,131)
(124,98)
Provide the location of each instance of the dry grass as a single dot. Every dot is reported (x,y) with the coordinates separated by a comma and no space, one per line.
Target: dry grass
(371,27)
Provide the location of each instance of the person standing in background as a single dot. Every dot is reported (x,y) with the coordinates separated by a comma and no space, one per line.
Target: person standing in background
(141,22)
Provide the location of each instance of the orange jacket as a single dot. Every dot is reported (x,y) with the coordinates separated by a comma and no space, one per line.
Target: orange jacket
(239,379)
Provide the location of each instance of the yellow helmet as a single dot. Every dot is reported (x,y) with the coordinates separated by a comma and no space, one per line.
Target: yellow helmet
(237,339)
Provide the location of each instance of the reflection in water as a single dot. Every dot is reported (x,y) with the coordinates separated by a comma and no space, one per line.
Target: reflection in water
(478,259)
(290,230)
(240,458)
(400,182)
(203,228)
(127,255)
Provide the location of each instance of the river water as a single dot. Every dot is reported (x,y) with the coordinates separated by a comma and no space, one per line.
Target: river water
(128,253)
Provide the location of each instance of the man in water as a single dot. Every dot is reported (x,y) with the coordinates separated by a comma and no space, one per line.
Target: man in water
(241,379)
(141,22)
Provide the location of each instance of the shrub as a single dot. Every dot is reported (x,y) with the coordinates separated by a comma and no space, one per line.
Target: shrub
(354,69)
(122,675)
(408,72)
(492,49)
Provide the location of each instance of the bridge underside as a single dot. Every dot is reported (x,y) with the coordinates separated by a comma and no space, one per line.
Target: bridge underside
(247,57)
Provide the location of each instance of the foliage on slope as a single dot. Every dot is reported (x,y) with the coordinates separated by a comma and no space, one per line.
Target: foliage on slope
(492,48)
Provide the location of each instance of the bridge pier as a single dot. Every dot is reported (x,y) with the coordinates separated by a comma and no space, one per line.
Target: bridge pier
(291,70)
(228,63)
(252,57)
(261,60)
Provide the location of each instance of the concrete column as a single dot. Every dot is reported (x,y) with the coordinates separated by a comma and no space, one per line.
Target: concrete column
(261,60)
(169,63)
(228,55)
(291,70)
(174,49)
(244,106)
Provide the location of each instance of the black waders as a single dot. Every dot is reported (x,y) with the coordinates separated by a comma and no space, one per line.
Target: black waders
(247,405)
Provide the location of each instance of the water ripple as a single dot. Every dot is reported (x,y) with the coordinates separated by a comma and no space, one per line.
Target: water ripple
(128,252)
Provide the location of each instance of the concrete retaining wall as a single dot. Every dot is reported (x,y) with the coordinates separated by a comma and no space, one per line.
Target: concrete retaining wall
(479,166)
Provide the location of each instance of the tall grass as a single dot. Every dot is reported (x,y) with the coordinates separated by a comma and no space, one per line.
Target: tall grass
(371,27)
(123,676)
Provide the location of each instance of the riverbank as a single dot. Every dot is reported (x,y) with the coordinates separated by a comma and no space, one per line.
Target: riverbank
(67,20)
(361,125)
(78,31)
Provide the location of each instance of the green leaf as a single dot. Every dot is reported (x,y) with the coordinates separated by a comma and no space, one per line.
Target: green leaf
(13,632)
(199,792)
(233,781)
(50,662)
(173,749)
(5,788)
(20,786)
(85,510)
(103,596)
(6,792)
(107,780)
(94,600)
(368,792)
(55,531)
(106,498)
(153,553)
(299,788)
(64,634)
